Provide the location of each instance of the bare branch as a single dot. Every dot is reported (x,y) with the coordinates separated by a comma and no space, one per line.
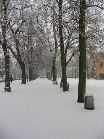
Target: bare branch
(20,26)
(12,51)
(98,6)
(72,56)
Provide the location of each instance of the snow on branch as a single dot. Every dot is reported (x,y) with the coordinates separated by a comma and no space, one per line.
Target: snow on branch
(94,5)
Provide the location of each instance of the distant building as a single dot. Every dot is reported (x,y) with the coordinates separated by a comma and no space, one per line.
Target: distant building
(100,68)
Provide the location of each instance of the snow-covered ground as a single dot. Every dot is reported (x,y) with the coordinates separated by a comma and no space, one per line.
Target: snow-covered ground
(40,110)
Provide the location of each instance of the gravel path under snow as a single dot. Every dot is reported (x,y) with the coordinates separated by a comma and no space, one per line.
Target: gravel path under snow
(40,110)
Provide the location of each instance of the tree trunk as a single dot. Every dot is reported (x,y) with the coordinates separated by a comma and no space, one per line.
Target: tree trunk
(54,73)
(19,59)
(63,59)
(30,73)
(7,63)
(82,56)
(22,65)
(7,73)
(4,46)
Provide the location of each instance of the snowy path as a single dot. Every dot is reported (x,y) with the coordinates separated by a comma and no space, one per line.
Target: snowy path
(39,110)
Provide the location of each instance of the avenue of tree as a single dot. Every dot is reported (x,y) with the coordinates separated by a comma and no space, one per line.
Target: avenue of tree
(39,33)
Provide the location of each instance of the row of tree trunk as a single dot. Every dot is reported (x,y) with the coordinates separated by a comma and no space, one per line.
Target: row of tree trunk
(16,53)
(82,51)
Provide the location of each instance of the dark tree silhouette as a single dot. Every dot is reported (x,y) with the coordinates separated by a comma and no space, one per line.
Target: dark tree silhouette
(82,50)
(4,45)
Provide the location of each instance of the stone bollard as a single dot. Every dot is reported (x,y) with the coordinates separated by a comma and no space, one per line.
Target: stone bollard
(89,102)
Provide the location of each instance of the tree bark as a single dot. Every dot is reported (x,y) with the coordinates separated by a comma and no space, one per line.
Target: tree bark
(22,65)
(63,59)
(30,73)
(20,61)
(7,72)
(54,71)
(82,56)
(4,47)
